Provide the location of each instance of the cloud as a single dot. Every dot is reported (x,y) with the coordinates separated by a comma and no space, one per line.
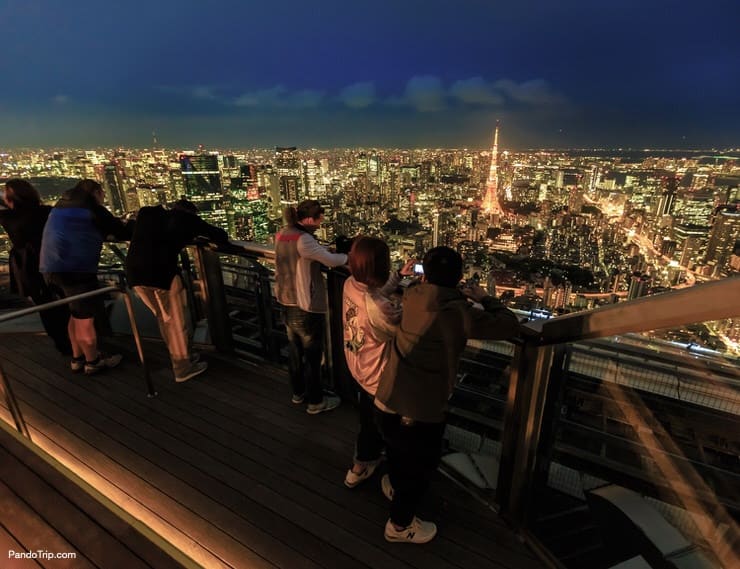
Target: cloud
(533,92)
(60,99)
(426,93)
(307,98)
(358,95)
(475,91)
(203,92)
(279,97)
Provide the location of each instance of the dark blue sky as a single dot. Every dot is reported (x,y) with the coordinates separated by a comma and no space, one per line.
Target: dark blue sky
(425,73)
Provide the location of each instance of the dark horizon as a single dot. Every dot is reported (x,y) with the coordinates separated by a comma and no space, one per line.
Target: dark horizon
(415,74)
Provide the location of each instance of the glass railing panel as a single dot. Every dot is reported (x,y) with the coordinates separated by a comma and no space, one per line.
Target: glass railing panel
(640,451)
(256,317)
(476,413)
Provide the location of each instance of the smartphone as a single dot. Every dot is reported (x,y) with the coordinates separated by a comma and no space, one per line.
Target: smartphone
(418,269)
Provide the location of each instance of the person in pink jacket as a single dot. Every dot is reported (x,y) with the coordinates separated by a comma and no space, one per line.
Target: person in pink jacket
(370,318)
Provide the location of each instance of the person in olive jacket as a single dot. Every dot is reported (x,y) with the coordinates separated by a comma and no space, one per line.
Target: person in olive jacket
(420,376)
(152,271)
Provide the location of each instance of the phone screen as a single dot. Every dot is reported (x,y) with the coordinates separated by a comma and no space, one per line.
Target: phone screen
(418,269)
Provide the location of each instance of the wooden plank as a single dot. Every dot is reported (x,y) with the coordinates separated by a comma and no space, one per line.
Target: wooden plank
(34,533)
(221,530)
(79,530)
(486,548)
(170,408)
(7,544)
(35,479)
(322,468)
(295,536)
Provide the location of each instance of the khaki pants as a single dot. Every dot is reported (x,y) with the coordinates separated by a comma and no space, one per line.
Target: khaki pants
(169,306)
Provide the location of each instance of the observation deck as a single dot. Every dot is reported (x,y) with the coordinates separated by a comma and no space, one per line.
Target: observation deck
(575,446)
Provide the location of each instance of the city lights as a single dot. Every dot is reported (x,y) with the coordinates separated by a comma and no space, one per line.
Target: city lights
(555,231)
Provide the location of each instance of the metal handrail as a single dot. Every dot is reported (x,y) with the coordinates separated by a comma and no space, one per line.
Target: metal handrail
(701,303)
(9,395)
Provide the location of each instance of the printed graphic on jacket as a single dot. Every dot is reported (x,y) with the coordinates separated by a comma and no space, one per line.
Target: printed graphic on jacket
(354,335)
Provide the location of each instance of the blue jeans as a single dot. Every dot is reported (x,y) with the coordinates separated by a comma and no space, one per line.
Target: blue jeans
(305,346)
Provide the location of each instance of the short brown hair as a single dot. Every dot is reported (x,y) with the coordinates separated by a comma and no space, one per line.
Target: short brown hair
(370,261)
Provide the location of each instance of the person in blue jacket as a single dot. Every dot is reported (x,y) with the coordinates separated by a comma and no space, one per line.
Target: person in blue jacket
(70,253)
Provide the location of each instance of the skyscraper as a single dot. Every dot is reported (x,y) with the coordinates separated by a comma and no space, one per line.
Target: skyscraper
(723,240)
(202,183)
(288,168)
(491,204)
(668,198)
(113,186)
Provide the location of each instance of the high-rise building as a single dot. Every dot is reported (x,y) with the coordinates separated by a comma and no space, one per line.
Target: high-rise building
(113,186)
(491,204)
(288,168)
(202,184)
(723,240)
(668,198)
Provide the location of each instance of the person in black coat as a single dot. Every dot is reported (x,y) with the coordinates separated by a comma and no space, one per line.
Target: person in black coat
(151,269)
(23,217)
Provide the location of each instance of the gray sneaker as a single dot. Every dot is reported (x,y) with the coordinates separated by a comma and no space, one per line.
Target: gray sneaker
(327,404)
(103,362)
(418,531)
(195,369)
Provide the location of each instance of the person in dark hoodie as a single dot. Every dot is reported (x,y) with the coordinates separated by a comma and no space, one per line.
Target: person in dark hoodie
(419,377)
(151,269)
(24,221)
(70,253)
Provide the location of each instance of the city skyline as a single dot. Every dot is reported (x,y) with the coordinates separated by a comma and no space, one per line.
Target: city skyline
(328,75)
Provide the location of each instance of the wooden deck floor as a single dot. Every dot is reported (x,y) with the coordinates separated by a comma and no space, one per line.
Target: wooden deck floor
(231,473)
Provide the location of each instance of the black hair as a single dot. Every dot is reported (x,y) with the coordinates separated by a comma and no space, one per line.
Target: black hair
(88,186)
(185,205)
(443,266)
(307,208)
(22,192)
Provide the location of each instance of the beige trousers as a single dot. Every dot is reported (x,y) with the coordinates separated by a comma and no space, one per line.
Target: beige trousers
(170,308)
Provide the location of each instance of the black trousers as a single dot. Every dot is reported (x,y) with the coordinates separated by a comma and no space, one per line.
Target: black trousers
(305,345)
(55,321)
(369,444)
(413,452)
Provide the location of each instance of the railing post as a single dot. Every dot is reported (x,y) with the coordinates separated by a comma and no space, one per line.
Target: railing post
(150,391)
(522,427)
(265,314)
(214,299)
(187,278)
(341,377)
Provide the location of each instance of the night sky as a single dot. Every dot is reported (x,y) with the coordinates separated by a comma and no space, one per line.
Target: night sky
(412,73)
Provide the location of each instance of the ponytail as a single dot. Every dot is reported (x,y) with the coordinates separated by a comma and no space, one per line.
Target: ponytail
(307,208)
(290,214)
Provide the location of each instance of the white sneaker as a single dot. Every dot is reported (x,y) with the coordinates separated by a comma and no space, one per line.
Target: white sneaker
(418,531)
(195,369)
(327,404)
(354,478)
(387,487)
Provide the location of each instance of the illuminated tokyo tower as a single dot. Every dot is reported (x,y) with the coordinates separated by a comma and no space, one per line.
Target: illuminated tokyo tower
(491,205)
